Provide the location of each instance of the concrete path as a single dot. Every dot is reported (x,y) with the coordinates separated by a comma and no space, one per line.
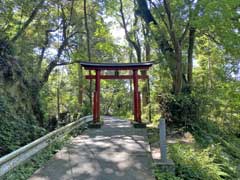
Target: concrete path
(117,151)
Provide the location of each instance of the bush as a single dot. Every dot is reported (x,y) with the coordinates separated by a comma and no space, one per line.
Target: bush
(180,109)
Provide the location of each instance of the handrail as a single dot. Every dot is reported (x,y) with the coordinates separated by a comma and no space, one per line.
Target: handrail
(17,157)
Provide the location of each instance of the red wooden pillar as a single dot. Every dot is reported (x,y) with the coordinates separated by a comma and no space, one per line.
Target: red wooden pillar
(139,107)
(94,107)
(96,103)
(137,100)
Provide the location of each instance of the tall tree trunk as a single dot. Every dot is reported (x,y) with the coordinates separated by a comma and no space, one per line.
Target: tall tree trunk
(177,49)
(88,47)
(190,56)
(58,101)
(146,88)
(130,81)
(35,101)
(209,73)
(171,50)
(149,101)
(178,74)
(37,110)
(80,86)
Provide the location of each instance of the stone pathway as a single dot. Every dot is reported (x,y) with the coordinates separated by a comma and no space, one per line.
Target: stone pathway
(117,151)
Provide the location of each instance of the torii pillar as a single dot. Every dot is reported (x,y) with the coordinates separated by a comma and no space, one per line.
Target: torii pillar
(96,98)
(136,98)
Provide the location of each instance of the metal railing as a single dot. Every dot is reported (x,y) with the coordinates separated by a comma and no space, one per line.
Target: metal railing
(22,154)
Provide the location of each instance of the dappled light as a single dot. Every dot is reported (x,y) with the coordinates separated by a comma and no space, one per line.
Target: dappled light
(116,151)
(120,89)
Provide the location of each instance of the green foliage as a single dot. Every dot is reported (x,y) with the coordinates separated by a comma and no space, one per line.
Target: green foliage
(221,18)
(5,48)
(116,99)
(224,147)
(17,129)
(25,170)
(211,111)
(180,109)
(165,176)
(196,164)
(18,124)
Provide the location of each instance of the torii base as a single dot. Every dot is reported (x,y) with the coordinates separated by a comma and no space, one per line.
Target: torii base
(138,125)
(96,125)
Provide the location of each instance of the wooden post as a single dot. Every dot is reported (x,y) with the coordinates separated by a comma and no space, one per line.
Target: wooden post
(136,97)
(98,72)
(96,99)
(94,107)
(139,108)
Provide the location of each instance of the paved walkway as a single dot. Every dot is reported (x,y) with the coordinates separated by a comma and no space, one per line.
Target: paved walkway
(117,151)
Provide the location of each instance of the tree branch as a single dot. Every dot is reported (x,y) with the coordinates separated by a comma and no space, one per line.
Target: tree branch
(144,12)
(161,15)
(44,47)
(130,41)
(68,63)
(184,33)
(172,33)
(54,63)
(212,38)
(169,14)
(71,11)
(28,22)
(87,30)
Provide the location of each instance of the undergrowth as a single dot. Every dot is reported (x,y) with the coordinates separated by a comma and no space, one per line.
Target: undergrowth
(25,170)
(193,163)
(214,155)
(165,175)
(215,151)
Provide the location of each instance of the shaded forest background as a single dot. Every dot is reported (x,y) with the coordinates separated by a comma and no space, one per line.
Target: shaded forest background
(194,83)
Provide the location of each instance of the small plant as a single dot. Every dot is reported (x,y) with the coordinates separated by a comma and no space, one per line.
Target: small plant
(196,164)
(165,175)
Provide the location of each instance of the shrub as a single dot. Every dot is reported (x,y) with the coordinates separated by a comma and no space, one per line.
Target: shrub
(179,109)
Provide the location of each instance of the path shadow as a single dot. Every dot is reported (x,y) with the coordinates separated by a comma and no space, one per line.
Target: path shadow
(117,151)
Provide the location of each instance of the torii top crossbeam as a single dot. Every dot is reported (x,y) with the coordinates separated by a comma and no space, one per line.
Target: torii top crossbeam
(98,67)
(115,66)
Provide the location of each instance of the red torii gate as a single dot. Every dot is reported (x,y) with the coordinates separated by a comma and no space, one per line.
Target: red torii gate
(134,67)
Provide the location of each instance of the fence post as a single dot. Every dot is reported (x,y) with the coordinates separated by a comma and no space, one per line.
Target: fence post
(162,138)
(165,164)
